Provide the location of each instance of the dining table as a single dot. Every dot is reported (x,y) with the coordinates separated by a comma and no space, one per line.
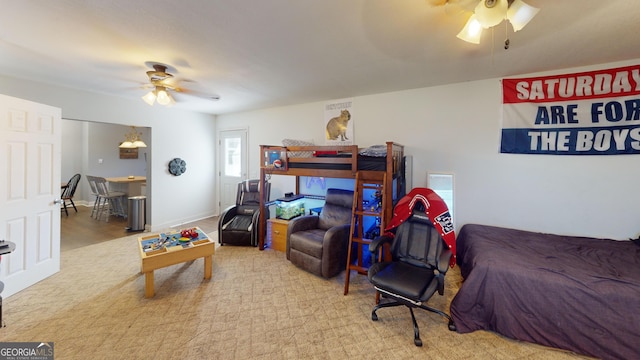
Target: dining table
(131,185)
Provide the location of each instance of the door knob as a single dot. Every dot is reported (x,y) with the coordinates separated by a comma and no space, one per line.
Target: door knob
(57,202)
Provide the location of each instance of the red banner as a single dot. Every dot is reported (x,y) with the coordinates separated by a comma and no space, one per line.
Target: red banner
(587,113)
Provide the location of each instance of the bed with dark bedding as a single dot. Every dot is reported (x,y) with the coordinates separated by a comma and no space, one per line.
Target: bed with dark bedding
(575,293)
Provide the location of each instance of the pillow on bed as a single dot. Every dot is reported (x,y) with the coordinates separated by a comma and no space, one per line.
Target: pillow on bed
(298,154)
(375,151)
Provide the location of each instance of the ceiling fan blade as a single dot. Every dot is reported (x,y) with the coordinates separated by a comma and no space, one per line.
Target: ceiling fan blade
(209,96)
(454,7)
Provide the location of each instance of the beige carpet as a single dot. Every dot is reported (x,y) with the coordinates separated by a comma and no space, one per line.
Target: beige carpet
(256,306)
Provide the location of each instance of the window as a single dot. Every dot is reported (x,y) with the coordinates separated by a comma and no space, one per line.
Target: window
(442,184)
(232,159)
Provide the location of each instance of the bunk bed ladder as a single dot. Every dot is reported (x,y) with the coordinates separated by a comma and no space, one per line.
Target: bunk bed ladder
(358,241)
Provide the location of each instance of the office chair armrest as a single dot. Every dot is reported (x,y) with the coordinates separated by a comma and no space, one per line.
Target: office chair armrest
(443,261)
(379,241)
(443,266)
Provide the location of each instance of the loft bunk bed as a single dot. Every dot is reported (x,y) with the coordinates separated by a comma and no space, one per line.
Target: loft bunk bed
(333,162)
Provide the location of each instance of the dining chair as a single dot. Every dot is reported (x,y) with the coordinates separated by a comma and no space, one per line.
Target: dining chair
(94,192)
(68,191)
(107,202)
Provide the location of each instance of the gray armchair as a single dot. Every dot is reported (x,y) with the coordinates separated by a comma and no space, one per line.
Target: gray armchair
(318,243)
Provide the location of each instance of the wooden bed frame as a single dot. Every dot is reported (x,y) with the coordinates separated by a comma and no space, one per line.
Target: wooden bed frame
(314,166)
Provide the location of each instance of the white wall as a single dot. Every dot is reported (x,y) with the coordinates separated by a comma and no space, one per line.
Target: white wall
(173,133)
(72,153)
(456,128)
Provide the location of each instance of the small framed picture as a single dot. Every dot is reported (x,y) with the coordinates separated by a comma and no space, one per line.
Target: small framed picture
(128,153)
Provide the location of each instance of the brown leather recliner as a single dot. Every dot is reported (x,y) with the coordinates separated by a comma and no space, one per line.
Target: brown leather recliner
(318,243)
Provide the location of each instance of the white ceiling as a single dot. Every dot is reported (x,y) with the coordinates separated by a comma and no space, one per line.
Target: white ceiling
(263,53)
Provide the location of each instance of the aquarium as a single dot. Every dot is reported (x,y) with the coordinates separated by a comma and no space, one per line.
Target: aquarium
(289,207)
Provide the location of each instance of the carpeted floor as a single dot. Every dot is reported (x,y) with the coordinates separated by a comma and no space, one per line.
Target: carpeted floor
(256,306)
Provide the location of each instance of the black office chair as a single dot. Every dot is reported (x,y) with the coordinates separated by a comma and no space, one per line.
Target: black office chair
(68,191)
(239,223)
(420,256)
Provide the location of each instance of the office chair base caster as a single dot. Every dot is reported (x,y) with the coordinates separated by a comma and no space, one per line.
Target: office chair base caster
(416,331)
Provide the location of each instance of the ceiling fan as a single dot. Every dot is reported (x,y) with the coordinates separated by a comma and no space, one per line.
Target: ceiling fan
(488,13)
(162,83)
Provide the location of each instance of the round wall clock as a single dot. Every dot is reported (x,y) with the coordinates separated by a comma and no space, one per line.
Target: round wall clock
(177,166)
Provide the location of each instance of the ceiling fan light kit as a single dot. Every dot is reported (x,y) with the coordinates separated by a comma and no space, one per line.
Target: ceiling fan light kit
(158,78)
(132,140)
(489,13)
(159,94)
(471,31)
(150,97)
(163,97)
(519,14)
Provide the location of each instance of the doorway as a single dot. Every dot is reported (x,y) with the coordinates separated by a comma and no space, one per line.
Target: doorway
(91,148)
(232,145)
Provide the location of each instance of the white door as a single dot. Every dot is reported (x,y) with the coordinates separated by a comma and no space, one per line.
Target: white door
(233,164)
(30,148)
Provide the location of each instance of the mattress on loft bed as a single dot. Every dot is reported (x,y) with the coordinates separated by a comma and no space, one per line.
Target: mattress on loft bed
(373,158)
(364,163)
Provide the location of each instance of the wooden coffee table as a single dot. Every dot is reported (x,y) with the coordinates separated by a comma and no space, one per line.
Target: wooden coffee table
(166,249)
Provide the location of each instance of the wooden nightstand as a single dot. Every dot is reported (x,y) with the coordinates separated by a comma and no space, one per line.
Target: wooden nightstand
(277,234)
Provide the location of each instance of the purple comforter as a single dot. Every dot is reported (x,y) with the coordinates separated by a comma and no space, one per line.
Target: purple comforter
(574,293)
